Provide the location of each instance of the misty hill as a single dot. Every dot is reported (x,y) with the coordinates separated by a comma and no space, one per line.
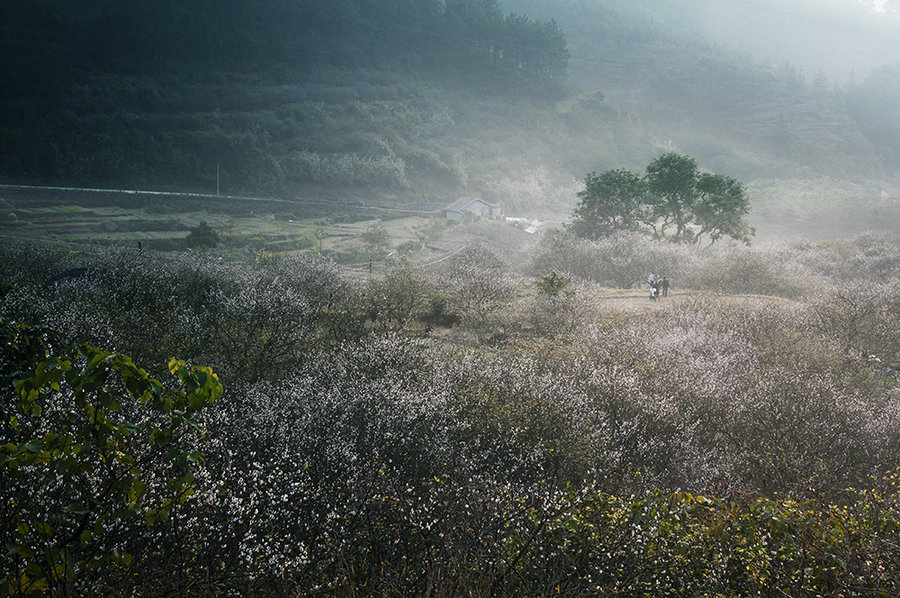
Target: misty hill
(415,101)
(741,111)
(843,40)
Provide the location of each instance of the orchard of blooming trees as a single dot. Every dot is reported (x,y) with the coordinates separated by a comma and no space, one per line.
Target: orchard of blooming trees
(177,425)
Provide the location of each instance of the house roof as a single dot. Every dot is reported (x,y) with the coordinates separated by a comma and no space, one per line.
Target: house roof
(464,202)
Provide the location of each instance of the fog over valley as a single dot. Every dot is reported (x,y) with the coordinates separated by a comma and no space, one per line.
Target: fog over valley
(450,298)
(844,39)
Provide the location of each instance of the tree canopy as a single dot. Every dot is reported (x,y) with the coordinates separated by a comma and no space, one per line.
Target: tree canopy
(674,200)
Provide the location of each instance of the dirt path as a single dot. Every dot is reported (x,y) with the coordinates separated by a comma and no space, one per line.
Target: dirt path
(638,301)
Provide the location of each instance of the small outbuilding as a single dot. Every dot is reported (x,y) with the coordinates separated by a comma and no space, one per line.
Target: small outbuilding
(472,208)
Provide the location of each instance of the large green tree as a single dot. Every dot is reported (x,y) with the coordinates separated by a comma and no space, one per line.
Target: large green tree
(610,201)
(674,200)
(719,207)
(672,189)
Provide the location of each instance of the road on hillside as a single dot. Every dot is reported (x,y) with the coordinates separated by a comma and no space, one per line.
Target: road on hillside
(210,196)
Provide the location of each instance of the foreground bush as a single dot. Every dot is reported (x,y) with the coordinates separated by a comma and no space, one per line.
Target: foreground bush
(97,462)
(679,544)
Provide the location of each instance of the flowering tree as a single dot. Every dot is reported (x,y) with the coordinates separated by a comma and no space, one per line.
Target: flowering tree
(476,282)
(701,447)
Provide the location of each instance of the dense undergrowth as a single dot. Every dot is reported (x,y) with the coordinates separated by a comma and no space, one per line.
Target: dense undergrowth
(459,431)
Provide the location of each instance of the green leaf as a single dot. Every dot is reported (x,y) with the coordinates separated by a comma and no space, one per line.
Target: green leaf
(77,509)
(22,549)
(137,491)
(43,528)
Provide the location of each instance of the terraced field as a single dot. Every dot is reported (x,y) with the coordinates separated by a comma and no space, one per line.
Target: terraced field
(162,221)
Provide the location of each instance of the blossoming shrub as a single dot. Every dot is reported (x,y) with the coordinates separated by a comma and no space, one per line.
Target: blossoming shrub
(544,315)
(767,270)
(701,447)
(623,260)
(861,319)
(791,270)
(862,259)
(476,283)
(247,320)
(772,407)
(97,462)
(401,294)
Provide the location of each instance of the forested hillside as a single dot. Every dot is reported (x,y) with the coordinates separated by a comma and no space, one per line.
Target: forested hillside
(279,92)
(753,114)
(177,36)
(411,101)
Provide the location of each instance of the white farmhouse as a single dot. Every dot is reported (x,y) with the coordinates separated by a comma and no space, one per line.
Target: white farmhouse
(469,208)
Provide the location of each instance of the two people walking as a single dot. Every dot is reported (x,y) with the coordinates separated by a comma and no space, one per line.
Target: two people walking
(659,286)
